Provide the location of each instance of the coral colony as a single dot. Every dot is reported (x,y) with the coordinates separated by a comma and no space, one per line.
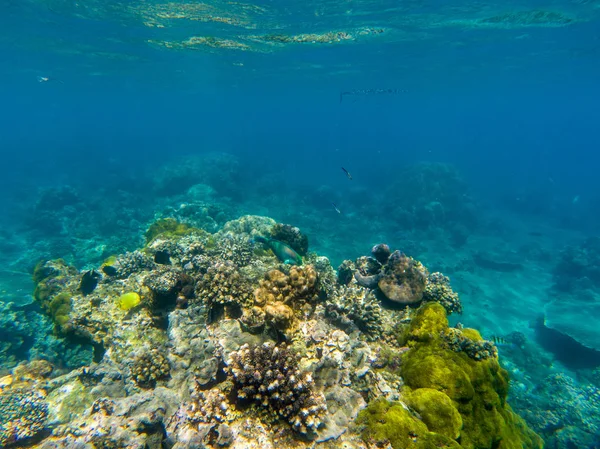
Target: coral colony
(211,340)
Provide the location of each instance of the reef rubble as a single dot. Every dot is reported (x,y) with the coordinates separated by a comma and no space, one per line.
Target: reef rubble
(206,340)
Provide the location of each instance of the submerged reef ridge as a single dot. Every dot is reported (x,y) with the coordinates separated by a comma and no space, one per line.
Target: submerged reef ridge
(224,349)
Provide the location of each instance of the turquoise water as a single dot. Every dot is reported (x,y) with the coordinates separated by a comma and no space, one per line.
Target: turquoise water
(469,130)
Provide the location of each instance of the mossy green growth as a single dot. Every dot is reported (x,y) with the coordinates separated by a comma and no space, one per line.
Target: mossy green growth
(472,334)
(436,410)
(384,422)
(169,228)
(427,324)
(59,308)
(477,389)
(128,301)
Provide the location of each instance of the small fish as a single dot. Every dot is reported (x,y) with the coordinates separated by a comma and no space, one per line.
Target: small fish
(109,270)
(283,252)
(576,199)
(89,281)
(347,173)
(45,79)
(366,92)
(162,258)
(498,339)
(336,208)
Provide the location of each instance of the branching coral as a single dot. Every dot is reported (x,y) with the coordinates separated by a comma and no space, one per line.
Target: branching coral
(150,367)
(269,375)
(470,342)
(438,289)
(234,248)
(167,286)
(359,306)
(300,284)
(133,262)
(223,284)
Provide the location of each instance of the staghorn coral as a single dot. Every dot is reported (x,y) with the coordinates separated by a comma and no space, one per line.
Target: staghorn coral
(269,375)
(292,236)
(23,415)
(150,367)
(300,284)
(223,284)
(357,306)
(403,279)
(438,289)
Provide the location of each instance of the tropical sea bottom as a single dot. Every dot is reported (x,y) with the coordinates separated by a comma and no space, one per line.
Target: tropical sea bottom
(503,293)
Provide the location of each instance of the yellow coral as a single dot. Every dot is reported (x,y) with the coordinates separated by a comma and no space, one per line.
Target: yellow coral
(128,301)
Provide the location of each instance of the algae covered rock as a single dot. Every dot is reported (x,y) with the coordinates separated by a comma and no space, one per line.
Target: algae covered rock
(477,388)
(437,411)
(391,423)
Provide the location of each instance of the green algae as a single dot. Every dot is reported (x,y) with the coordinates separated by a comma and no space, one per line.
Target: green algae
(477,389)
(385,422)
(59,308)
(169,228)
(437,411)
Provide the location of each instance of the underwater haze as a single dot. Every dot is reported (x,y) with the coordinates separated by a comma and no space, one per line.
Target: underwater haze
(157,137)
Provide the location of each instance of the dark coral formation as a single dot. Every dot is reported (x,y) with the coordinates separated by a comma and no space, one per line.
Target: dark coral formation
(223,284)
(346,272)
(292,236)
(469,342)
(403,280)
(299,284)
(438,289)
(150,367)
(23,415)
(356,307)
(133,262)
(268,374)
(168,285)
(381,252)
(237,249)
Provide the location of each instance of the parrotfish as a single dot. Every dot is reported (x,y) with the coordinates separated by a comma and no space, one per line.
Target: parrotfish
(283,252)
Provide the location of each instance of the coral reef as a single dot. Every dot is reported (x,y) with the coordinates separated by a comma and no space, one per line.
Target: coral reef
(470,342)
(150,367)
(478,388)
(438,289)
(223,284)
(356,307)
(403,280)
(292,236)
(23,415)
(269,375)
(220,344)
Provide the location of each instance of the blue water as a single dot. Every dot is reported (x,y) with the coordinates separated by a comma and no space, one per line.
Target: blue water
(96,109)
